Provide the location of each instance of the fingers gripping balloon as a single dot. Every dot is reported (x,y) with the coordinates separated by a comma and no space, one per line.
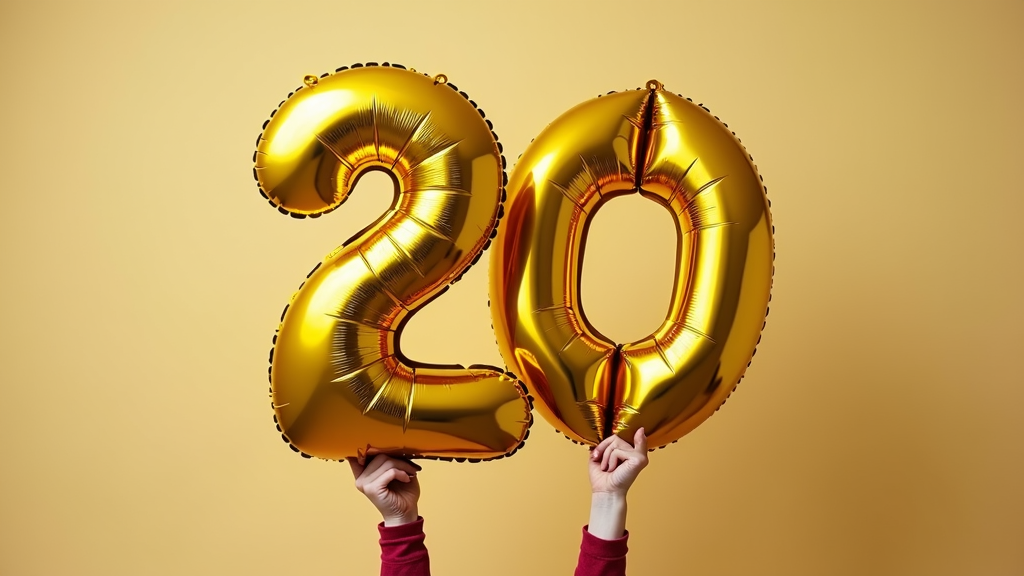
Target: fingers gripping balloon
(677,154)
(340,386)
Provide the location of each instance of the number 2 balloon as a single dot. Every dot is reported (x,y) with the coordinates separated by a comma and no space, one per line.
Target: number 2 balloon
(340,386)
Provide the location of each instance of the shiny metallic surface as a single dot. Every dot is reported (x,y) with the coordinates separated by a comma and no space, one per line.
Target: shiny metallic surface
(677,154)
(339,383)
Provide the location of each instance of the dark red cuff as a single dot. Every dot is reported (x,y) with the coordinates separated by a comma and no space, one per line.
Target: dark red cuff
(600,548)
(402,550)
(600,557)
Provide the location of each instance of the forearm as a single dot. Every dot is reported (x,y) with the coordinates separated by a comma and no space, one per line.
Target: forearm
(603,550)
(607,515)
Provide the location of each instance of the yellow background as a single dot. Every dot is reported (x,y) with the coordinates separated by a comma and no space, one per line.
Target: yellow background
(879,431)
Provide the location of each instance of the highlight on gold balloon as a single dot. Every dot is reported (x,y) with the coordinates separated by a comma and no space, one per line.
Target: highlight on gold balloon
(676,153)
(340,386)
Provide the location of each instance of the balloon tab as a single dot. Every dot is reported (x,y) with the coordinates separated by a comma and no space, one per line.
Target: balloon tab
(310,81)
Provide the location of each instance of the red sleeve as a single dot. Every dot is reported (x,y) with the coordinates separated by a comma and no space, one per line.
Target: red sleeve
(602,557)
(402,552)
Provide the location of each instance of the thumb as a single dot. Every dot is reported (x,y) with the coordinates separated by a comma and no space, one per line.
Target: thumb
(640,440)
(357,468)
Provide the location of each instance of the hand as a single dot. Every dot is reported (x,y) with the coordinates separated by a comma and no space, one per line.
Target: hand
(614,466)
(391,485)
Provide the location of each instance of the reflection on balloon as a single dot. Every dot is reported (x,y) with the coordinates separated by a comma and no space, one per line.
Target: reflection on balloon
(677,154)
(339,384)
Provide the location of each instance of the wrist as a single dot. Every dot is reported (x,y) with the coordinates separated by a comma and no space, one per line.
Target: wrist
(608,515)
(401,519)
(608,499)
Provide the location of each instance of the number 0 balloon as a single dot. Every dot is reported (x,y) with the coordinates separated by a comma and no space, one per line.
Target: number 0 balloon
(677,154)
(339,384)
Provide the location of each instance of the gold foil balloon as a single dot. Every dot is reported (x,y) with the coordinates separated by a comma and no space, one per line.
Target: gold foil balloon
(677,154)
(339,383)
